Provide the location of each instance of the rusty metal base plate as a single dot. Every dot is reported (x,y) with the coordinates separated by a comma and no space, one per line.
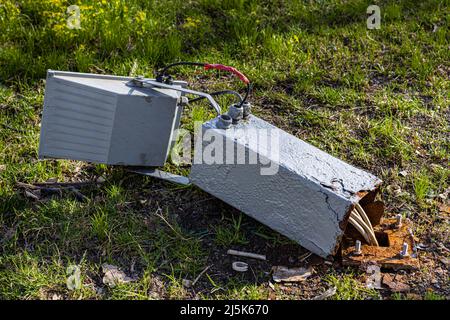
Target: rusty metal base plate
(387,255)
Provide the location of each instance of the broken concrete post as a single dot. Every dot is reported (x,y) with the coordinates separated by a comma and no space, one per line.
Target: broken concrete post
(308,199)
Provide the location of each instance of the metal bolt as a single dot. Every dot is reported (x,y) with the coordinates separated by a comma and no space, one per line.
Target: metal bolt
(399,220)
(404,253)
(358,250)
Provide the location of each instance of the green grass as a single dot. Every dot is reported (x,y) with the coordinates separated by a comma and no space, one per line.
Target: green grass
(375,98)
(229,234)
(348,288)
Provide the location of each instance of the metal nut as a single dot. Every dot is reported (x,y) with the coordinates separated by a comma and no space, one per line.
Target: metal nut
(247,109)
(236,112)
(224,121)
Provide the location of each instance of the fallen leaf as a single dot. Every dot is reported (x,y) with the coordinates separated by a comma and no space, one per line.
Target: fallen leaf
(285,274)
(394,285)
(445,261)
(113,275)
(444,207)
(413,296)
(100,179)
(329,293)
(442,247)
(186,283)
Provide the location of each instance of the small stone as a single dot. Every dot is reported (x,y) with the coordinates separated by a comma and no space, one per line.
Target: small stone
(99,291)
(56,296)
(373,281)
(113,275)
(284,274)
(394,285)
(403,173)
(329,293)
(445,261)
(439,270)
(186,283)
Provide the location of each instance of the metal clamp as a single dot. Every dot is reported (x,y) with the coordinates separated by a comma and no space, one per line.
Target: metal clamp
(157,84)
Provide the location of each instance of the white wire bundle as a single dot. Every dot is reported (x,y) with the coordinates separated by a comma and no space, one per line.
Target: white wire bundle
(359,219)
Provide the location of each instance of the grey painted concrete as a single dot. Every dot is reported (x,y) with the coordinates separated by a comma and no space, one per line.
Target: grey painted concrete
(307,200)
(102,119)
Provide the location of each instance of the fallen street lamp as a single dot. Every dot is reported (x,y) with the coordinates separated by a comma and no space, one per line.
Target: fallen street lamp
(321,202)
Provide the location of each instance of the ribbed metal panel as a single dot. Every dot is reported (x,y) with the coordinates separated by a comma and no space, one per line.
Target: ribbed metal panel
(79,123)
(103,119)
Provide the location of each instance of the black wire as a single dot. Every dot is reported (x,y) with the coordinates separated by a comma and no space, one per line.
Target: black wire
(216,93)
(249,88)
(186,63)
(162,74)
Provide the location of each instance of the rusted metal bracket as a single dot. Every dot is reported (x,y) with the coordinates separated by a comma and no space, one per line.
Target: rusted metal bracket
(392,239)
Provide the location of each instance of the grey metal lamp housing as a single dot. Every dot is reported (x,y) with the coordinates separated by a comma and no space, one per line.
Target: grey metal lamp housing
(104,119)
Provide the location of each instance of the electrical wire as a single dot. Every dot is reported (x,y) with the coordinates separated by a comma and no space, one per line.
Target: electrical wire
(359,219)
(368,230)
(359,228)
(163,77)
(247,93)
(181,63)
(216,93)
(363,215)
(366,219)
